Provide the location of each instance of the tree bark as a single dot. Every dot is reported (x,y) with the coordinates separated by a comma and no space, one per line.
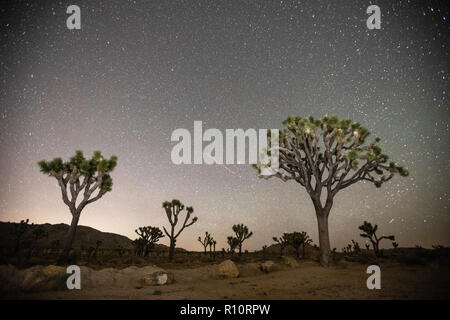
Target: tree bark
(324,238)
(69,240)
(171,249)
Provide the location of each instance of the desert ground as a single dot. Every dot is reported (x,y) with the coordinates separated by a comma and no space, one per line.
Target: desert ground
(306,280)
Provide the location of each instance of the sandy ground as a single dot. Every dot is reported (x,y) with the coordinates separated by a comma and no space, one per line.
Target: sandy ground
(307,281)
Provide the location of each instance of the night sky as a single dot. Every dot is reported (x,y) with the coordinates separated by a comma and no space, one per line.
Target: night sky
(138,70)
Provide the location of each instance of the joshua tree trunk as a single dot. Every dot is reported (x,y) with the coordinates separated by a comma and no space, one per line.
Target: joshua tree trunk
(324,237)
(69,240)
(240,249)
(171,249)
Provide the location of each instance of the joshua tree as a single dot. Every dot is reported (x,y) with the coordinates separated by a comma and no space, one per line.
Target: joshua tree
(98,244)
(367,246)
(325,156)
(206,241)
(211,242)
(233,243)
(242,234)
(282,241)
(356,247)
(264,248)
(38,233)
(297,239)
(212,245)
(395,245)
(173,209)
(370,233)
(89,177)
(148,237)
(19,230)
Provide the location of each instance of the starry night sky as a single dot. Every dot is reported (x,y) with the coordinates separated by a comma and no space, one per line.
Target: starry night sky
(137,70)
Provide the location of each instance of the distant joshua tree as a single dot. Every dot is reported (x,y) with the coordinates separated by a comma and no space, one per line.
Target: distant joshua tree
(38,233)
(264,249)
(282,241)
(297,239)
(395,245)
(242,234)
(233,243)
(148,237)
(19,230)
(206,241)
(173,210)
(89,177)
(370,233)
(325,156)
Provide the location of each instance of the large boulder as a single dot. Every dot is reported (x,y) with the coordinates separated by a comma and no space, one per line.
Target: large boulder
(267,266)
(228,269)
(40,278)
(289,261)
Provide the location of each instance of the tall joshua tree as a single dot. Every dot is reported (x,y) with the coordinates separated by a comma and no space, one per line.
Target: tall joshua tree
(242,234)
(282,241)
(206,241)
(370,233)
(325,156)
(88,178)
(173,210)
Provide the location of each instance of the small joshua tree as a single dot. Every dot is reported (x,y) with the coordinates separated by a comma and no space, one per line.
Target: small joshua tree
(242,234)
(370,233)
(264,248)
(395,245)
(211,243)
(37,234)
(297,239)
(206,241)
(356,247)
(80,176)
(148,237)
(282,241)
(325,156)
(173,210)
(233,243)
(213,246)
(19,230)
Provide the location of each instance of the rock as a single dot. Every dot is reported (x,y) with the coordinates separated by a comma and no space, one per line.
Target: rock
(40,278)
(267,266)
(158,278)
(228,269)
(289,261)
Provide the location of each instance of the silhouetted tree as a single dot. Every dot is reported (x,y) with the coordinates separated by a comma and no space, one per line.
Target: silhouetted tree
(242,234)
(370,233)
(297,239)
(18,231)
(173,210)
(282,241)
(89,177)
(206,241)
(233,243)
(325,156)
(148,237)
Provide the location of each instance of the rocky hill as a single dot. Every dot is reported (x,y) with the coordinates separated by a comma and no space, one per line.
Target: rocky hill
(86,237)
